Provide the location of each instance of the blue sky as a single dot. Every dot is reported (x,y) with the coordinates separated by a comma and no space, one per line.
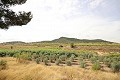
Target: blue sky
(83,19)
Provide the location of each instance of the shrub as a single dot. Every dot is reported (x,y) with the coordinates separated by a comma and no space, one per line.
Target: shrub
(23,57)
(34,56)
(71,59)
(96,66)
(72,45)
(63,57)
(3,64)
(107,61)
(68,62)
(60,46)
(80,59)
(45,61)
(37,60)
(42,57)
(101,58)
(93,59)
(82,64)
(11,47)
(58,61)
(115,66)
(52,58)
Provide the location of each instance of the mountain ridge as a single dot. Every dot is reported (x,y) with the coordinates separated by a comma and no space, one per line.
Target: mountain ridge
(63,40)
(75,40)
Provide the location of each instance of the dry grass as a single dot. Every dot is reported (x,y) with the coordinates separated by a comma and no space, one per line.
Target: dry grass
(33,71)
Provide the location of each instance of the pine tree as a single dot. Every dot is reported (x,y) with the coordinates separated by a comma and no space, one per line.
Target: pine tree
(10,18)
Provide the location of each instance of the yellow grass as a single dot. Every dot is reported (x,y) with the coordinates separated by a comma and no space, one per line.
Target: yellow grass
(33,71)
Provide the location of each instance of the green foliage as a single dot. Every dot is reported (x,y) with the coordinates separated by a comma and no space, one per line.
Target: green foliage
(58,61)
(63,57)
(101,58)
(82,64)
(45,61)
(74,40)
(10,18)
(7,53)
(93,59)
(68,62)
(67,57)
(96,66)
(37,60)
(72,45)
(115,66)
(72,58)
(23,57)
(107,61)
(3,64)
(42,57)
(52,58)
(86,55)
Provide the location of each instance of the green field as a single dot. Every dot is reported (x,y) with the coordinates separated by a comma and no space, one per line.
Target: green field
(103,57)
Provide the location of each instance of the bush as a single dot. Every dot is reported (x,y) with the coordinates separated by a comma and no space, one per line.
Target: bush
(37,60)
(60,46)
(96,66)
(58,61)
(63,57)
(82,64)
(68,62)
(42,57)
(72,45)
(115,66)
(107,61)
(93,59)
(45,61)
(52,58)
(23,57)
(71,59)
(3,64)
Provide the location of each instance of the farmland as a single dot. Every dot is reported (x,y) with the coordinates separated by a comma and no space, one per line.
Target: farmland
(59,61)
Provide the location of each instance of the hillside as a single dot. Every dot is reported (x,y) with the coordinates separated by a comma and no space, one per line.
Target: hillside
(14,42)
(75,40)
(63,40)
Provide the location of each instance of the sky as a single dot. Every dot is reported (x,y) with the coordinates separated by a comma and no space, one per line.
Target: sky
(82,19)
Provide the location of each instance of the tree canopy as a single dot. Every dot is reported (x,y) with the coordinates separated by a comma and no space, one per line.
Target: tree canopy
(10,18)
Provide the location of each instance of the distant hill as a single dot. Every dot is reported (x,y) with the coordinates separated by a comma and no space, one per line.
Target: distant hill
(14,42)
(75,40)
(63,40)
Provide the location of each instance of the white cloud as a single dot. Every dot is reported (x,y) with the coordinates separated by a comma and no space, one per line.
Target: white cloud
(56,18)
(95,3)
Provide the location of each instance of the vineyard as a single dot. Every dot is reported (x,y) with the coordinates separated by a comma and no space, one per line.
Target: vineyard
(69,60)
(110,62)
